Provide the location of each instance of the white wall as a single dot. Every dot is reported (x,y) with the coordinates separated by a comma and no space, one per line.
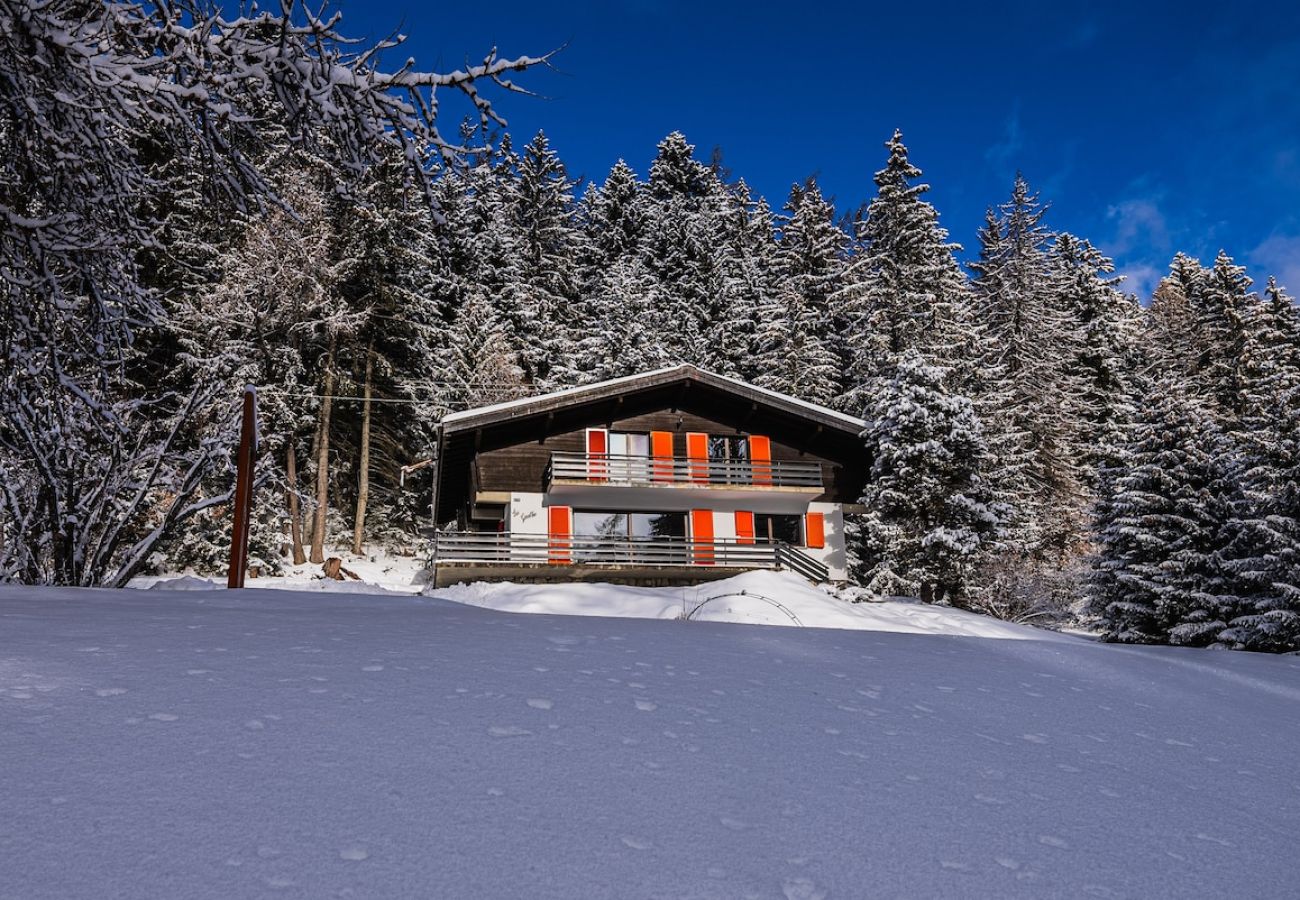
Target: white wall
(832,555)
(525,515)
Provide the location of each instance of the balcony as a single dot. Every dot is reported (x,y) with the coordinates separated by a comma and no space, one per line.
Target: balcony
(641,471)
(538,557)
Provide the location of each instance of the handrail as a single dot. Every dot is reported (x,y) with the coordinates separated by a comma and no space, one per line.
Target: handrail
(515,548)
(607,468)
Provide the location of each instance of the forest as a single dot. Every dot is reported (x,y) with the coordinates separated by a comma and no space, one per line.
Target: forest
(211,203)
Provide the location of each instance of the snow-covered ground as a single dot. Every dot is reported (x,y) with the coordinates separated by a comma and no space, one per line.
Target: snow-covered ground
(234,744)
(754,598)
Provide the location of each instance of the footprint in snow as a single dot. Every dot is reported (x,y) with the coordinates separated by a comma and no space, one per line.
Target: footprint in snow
(802,889)
(636,843)
(540,703)
(254,725)
(164,717)
(507,731)
(354,854)
(1052,841)
(110,692)
(1034,738)
(734,824)
(372,668)
(646,706)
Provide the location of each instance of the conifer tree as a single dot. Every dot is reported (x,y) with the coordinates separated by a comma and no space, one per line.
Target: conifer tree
(904,289)
(1167,536)
(1031,394)
(795,355)
(683,198)
(930,513)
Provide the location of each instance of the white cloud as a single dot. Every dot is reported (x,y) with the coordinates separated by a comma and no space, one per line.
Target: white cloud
(1139,225)
(1278,255)
(1141,279)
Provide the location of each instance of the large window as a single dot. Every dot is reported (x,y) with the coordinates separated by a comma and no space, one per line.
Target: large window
(629,525)
(770,528)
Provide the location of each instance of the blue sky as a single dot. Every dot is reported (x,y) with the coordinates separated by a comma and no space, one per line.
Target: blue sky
(1150,126)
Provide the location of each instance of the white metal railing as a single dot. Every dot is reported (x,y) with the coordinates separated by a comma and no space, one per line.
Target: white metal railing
(602,468)
(505,548)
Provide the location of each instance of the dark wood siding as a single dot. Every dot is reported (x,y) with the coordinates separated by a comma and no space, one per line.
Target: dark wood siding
(522,467)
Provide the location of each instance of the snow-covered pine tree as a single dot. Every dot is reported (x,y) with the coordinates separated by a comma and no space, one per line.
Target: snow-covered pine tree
(1224,308)
(1106,353)
(930,513)
(1170,528)
(622,326)
(477,365)
(542,283)
(1030,394)
(1271,439)
(795,354)
(683,195)
(903,289)
(747,270)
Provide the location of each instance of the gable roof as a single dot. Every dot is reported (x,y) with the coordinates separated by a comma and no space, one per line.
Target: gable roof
(684,374)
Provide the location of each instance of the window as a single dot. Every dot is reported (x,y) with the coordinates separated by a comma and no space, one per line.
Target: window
(629,443)
(641,526)
(729,447)
(770,528)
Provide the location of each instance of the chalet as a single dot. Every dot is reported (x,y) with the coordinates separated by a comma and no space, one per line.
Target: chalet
(674,476)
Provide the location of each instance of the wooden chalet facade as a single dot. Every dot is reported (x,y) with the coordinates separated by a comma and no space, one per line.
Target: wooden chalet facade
(668,477)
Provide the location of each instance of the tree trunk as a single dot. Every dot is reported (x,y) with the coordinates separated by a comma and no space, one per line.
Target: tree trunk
(323,461)
(295,516)
(363,485)
(927,592)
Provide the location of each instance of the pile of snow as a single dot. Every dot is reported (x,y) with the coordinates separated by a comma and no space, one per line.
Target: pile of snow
(216,744)
(753,598)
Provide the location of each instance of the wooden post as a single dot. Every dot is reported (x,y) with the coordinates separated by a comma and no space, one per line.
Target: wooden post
(243,490)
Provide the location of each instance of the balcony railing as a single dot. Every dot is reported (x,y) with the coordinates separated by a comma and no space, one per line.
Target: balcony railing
(640,471)
(505,548)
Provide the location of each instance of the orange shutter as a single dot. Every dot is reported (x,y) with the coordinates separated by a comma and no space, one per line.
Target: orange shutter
(760,457)
(597,455)
(702,536)
(697,451)
(661,448)
(744,527)
(560,532)
(815,530)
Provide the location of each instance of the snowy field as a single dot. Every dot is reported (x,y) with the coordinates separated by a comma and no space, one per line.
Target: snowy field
(214,744)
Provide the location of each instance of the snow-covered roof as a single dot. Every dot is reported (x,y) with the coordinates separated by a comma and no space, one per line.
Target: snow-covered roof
(685,371)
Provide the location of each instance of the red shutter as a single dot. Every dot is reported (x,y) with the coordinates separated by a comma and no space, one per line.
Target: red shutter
(597,454)
(760,458)
(702,536)
(661,448)
(697,451)
(560,532)
(815,530)
(744,527)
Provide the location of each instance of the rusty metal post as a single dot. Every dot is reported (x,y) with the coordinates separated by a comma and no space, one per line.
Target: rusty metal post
(243,491)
